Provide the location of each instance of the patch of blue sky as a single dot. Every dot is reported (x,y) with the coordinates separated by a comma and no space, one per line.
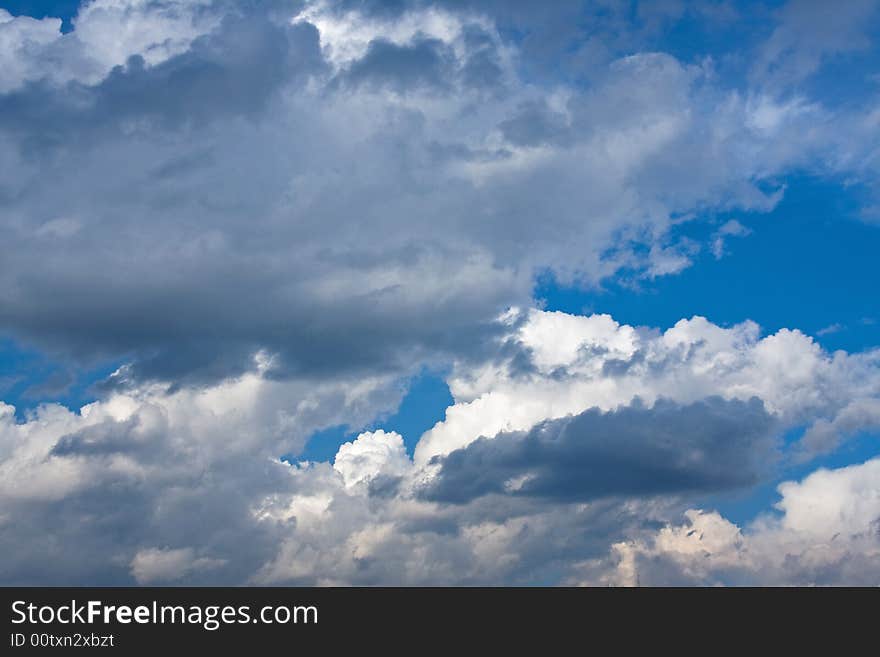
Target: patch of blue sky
(847,80)
(743,506)
(707,30)
(63,9)
(424,404)
(809,264)
(29,378)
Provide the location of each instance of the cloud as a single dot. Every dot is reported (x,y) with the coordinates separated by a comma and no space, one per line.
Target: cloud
(828,532)
(535,124)
(634,451)
(371,455)
(272,213)
(184,485)
(825,435)
(290,179)
(810,31)
(36,50)
(19,37)
(731,228)
(87,497)
(166,565)
(557,365)
(831,329)
(400,68)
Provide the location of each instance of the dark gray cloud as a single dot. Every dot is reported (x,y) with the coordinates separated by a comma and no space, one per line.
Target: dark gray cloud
(710,445)
(232,71)
(252,192)
(535,124)
(176,249)
(425,63)
(91,535)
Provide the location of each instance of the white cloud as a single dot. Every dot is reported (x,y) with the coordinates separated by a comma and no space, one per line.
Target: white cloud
(147,461)
(111,31)
(731,228)
(346,35)
(585,362)
(20,39)
(831,329)
(150,467)
(828,533)
(370,455)
(106,34)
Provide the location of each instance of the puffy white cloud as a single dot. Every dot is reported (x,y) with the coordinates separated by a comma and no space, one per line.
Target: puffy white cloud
(563,365)
(346,35)
(828,532)
(185,484)
(106,33)
(88,495)
(371,455)
(19,38)
(111,31)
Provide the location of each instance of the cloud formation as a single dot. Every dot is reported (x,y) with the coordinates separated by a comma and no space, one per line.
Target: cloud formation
(827,532)
(351,190)
(556,365)
(273,213)
(156,485)
(709,445)
(153,485)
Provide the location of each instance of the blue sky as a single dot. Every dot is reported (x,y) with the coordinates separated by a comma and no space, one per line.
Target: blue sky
(63,9)
(806,264)
(357,281)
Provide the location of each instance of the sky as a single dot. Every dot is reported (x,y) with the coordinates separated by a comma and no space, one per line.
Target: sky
(337,292)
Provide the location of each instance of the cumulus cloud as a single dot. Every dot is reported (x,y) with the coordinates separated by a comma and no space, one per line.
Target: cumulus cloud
(558,365)
(272,213)
(372,455)
(106,33)
(827,532)
(88,496)
(351,189)
(18,39)
(185,485)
